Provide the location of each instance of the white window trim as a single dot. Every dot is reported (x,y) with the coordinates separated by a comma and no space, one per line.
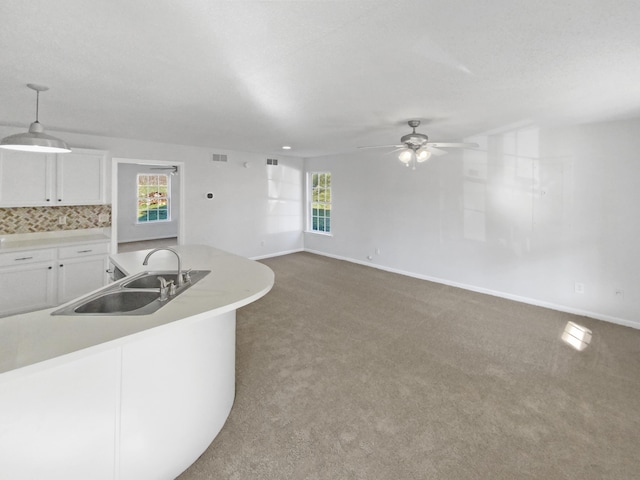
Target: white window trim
(308,209)
(150,222)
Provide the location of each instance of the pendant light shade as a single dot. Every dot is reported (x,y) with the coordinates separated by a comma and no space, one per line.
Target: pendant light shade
(35,140)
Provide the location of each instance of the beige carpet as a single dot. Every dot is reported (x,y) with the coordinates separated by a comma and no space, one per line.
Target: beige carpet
(348,372)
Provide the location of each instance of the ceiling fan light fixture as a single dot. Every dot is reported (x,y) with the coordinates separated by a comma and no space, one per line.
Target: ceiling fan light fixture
(35,140)
(407,156)
(422,155)
(416,147)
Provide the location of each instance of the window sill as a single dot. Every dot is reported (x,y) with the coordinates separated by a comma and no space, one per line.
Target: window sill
(324,234)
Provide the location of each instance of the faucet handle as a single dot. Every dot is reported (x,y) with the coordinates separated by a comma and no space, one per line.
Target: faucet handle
(186,275)
(172,288)
(164,291)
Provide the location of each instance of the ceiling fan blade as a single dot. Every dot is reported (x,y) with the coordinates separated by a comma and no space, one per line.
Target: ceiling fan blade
(452,145)
(383,146)
(435,151)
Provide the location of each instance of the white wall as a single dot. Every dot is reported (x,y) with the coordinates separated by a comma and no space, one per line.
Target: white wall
(528,216)
(129,230)
(256,211)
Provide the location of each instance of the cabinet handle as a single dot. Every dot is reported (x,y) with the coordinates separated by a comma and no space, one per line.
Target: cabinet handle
(48,199)
(23,258)
(59,199)
(61,265)
(84,251)
(49,268)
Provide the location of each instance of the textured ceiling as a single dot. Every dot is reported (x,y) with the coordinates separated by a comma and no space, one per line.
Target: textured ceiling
(322,76)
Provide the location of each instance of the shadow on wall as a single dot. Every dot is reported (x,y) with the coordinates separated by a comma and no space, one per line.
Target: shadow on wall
(532,214)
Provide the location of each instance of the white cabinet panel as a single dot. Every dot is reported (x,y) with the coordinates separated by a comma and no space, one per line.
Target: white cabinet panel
(25,287)
(80,178)
(35,179)
(35,279)
(177,390)
(28,256)
(78,276)
(145,410)
(26,179)
(74,251)
(60,423)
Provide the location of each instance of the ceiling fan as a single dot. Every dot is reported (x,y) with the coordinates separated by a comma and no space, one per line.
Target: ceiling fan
(416,147)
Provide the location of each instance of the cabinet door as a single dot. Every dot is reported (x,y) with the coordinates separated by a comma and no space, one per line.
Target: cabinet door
(81,178)
(79,276)
(26,179)
(26,288)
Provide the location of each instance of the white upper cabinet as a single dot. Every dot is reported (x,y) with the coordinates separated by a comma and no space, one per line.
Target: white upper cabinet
(26,179)
(81,177)
(35,179)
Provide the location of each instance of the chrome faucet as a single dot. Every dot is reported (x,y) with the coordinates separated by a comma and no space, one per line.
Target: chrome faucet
(164,289)
(180,280)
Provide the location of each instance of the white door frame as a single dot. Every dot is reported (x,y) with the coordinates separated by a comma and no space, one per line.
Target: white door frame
(114,196)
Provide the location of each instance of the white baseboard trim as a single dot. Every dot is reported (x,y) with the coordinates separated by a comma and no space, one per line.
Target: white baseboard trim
(495,293)
(277,254)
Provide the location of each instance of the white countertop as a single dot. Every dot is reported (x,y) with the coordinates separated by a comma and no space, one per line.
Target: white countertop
(28,339)
(36,241)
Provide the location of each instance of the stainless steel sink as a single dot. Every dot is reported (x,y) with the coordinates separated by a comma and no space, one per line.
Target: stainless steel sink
(135,295)
(119,301)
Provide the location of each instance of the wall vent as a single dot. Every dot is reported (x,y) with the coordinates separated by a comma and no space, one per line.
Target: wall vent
(272,161)
(219,157)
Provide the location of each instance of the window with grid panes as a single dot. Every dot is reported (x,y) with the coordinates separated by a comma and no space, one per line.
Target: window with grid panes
(153,198)
(320,202)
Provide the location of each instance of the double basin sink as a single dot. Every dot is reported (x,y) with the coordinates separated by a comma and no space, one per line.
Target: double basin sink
(136,295)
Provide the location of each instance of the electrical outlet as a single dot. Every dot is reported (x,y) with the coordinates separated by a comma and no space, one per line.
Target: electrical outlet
(377,251)
(62,220)
(103,217)
(619,294)
(579,287)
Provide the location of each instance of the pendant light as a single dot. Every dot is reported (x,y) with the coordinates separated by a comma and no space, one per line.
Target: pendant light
(35,140)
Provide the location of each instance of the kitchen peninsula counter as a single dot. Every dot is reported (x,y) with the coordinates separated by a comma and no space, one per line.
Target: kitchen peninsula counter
(234,281)
(125,397)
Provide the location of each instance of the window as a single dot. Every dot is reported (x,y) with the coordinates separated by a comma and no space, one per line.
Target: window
(153,198)
(320,202)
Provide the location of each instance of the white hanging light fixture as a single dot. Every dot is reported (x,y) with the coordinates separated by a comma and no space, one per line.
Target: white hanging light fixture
(35,140)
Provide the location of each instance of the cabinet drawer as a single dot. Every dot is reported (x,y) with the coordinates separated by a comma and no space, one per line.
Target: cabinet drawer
(27,256)
(74,251)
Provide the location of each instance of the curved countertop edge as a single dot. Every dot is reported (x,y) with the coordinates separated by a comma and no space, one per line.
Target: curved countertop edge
(139,326)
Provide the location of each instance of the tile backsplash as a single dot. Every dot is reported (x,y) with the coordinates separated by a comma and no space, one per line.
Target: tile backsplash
(47,219)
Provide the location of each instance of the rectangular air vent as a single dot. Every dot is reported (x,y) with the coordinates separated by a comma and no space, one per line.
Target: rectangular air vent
(219,157)
(272,161)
